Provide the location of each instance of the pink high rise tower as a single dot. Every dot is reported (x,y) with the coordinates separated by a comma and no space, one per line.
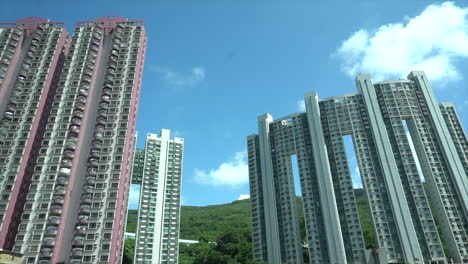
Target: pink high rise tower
(75,204)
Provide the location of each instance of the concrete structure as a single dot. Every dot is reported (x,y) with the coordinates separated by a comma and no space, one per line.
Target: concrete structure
(378,119)
(138,163)
(74,188)
(32,54)
(157,236)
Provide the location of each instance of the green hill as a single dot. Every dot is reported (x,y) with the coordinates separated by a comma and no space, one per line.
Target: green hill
(229,224)
(211,219)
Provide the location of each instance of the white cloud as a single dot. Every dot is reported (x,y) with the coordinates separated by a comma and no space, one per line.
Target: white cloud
(180,80)
(231,173)
(134,196)
(244,196)
(301,105)
(432,41)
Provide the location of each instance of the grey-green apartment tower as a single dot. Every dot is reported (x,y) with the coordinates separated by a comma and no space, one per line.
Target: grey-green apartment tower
(138,163)
(160,170)
(379,119)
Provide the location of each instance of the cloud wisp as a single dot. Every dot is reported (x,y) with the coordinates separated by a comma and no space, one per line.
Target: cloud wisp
(243,197)
(432,41)
(232,173)
(181,80)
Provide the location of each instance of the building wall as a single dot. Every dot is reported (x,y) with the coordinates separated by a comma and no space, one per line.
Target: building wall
(405,229)
(256,199)
(26,90)
(137,173)
(286,137)
(157,236)
(456,131)
(78,197)
(398,102)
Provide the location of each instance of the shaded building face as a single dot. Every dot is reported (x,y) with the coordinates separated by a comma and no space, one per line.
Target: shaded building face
(385,121)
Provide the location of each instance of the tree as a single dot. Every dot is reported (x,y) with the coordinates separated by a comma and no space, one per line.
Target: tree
(129,247)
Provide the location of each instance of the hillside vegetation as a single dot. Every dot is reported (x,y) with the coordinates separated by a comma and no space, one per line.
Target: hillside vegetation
(224,231)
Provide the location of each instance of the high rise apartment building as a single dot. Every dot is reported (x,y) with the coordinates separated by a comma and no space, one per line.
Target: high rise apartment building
(138,163)
(378,119)
(32,57)
(75,187)
(157,237)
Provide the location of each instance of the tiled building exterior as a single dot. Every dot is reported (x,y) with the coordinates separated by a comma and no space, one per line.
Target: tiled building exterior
(157,237)
(138,163)
(404,226)
(32,52)
(74,210)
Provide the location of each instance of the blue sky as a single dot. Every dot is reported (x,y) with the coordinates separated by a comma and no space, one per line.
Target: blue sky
(213,66)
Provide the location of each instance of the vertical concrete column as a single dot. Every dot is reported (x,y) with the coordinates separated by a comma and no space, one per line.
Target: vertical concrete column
(268,186)
(403,221)
(447,146)
(331,219)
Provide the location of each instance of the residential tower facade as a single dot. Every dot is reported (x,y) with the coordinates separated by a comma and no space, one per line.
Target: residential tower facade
(76,201)
(157,237)
(378,119)
(32,55)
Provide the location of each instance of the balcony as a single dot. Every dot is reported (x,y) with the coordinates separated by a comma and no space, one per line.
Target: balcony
(83,92)
(74,129)
(81,99)
(87,190)
(94,47)
(106,92)
(8,116)
(13,102)
(98,137)
(97,146)
(77,252)
(54,220)
(91,172)
(82,219)
(92,163)
(90,180)
(104,106)
(78,242)
(79,107)
(56,210)
(80,230)
(71,145)
(89,67)
(66,163)
(65,171)
(85,210)
(62,181)
(60,190)
(94,154)
(51,231)
(45,253)
(86,200)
